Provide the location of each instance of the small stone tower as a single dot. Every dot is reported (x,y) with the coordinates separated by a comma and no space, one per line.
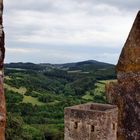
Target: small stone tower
(91,122)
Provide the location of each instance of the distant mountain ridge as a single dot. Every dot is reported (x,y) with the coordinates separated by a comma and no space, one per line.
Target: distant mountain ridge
(88,65)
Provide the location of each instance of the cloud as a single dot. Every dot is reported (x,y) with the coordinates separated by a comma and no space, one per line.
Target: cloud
(21,50)
(68,23)
(30,26)
(59,5)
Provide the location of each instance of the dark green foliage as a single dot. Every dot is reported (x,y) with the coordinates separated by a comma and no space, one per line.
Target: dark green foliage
(13,97)
(56,87)
(46,98)
(14,128)
(23,66)
(99,99)
(90,65)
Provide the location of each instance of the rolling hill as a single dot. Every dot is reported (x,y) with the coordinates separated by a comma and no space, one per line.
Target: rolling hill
(76,65)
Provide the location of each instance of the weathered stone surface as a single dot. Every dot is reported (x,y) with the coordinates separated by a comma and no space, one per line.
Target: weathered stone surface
(2,98)
(126,92)
(130,56)
(2,111)
(91,122)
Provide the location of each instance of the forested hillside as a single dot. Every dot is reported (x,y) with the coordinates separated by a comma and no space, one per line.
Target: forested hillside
(36,95)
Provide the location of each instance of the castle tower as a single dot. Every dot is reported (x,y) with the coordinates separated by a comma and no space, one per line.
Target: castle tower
(126,92)
(91,122)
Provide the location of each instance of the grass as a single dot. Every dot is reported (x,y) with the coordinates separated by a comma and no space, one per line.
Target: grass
(74,71)
(108,81)
(53,103)
(26,99)
(21,90)
(88,96)
(99,90)
(32,100)
(100,85)
(7,78)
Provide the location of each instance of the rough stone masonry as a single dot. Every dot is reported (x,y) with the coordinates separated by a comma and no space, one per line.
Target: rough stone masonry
(126,91)
(2,98)
(91,122)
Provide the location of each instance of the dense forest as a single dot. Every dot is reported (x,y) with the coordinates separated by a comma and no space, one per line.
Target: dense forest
(36,95)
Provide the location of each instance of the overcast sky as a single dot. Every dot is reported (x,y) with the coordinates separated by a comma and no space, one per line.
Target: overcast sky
(59,31)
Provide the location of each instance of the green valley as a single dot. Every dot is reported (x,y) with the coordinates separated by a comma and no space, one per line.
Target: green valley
(36,95)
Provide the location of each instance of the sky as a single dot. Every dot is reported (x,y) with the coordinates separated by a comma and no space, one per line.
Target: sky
(61,31)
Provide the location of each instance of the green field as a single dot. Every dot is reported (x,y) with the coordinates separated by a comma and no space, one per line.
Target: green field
(32,100)
(97,92)
(22,90)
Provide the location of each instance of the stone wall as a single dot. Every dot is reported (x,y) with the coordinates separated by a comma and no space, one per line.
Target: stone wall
(2,98)
(126,92)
